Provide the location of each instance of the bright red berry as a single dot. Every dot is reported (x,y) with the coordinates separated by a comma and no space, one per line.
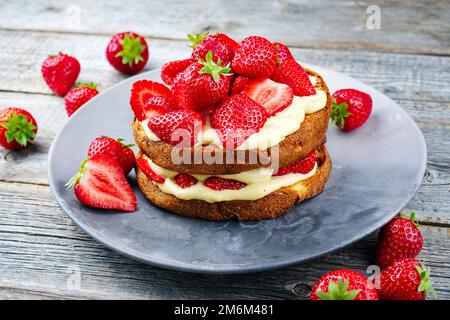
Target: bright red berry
(256,57)
(232,43)
(172,68)
(78,96)
(148,171)
(399,239)
(405,279)
(273,96)
(60,72)
(289,72)
(127,52)
(115,149)
(351,108)
(343,284)
(185,180)
(302,166)
(100,183)
(142,91)
(238,84)
(202,44)
(283,52)
(237,118)
(220,184)
(17,128)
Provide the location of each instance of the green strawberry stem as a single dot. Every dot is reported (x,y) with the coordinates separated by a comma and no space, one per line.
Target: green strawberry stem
(86,85)
(339,113)
(338,291)
(131,50)
(425,283)
(18,128)
(412,218)
(80,174)
(196,39)
(120,140)
(212,68)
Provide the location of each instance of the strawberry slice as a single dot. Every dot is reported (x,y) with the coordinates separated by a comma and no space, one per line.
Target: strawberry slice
(157,106)
(101,183)
(273,96)
(291,73)
(172,68)
(238,84)
(237,118)
(142,91)
(185,180)
(177,127)
(148,171)
(302,166)
(220,184)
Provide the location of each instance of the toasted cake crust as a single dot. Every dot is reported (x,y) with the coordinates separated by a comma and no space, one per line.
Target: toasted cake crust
(310,136)
(273,205)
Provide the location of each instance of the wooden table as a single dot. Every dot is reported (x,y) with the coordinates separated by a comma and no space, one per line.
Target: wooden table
(43,253)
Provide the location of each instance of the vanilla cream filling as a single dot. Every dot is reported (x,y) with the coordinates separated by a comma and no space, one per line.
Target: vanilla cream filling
(260,183)
(276,128)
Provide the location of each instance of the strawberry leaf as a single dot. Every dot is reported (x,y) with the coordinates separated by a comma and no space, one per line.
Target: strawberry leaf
(80,174)
(212,68)
(425,283)
(196,39)
(338,291)
(86,85)
(131,50)
(18,128)
(339,113)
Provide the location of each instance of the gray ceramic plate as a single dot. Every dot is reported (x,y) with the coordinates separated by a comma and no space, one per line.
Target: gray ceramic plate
(376,170)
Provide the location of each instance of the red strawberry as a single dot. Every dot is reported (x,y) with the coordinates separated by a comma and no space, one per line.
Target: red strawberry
(237,118)
(170,69)
(100,183)
(182,126)
(78,96)
(127,52)
(256,57)
(60,72)
(148,171)
(17,128)
(201,85)
(232,43)
(274,97)
(343,284)
(291,73)
(115,149)
(238,84)
(161,103)
(302,166)
(142,91)
(406,279)
(220,184)
(283,52)
(400,238)
(351,108)
(185,180)
(202,44)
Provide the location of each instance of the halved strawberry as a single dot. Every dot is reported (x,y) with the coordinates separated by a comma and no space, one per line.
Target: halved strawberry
(273,96)
(302,166)
(237,118)
(142,91)
(289,72)
(238,84)
(185,180)
(100,183)
(159,105)
(177,127)
(170,69)
(220,184)
(148,171)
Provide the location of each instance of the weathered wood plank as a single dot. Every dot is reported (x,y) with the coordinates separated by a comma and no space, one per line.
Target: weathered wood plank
(42,250)
(400,76)
(317,24)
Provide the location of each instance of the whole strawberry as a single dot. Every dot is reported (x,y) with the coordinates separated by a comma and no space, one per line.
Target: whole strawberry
(256,57)
(115,149)
(100,183)
(17,128)
(60,71)
(283,52)
(400,238)
(77,97)
(405,279)
(238,84)
(172,68)
(351,108)
(343,284)
(202,84)
(289,72)
(127,52)
(220,48)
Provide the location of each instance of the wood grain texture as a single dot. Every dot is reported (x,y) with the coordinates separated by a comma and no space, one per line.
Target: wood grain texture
(42,249)
(406,26)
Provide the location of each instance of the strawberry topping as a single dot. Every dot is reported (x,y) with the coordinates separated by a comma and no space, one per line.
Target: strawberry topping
(142,91)
(148,171)
(291,73)
(302,166)
(185,180)
(172,68)
(220,184)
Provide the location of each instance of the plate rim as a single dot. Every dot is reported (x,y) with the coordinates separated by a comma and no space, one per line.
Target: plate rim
(198,268)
